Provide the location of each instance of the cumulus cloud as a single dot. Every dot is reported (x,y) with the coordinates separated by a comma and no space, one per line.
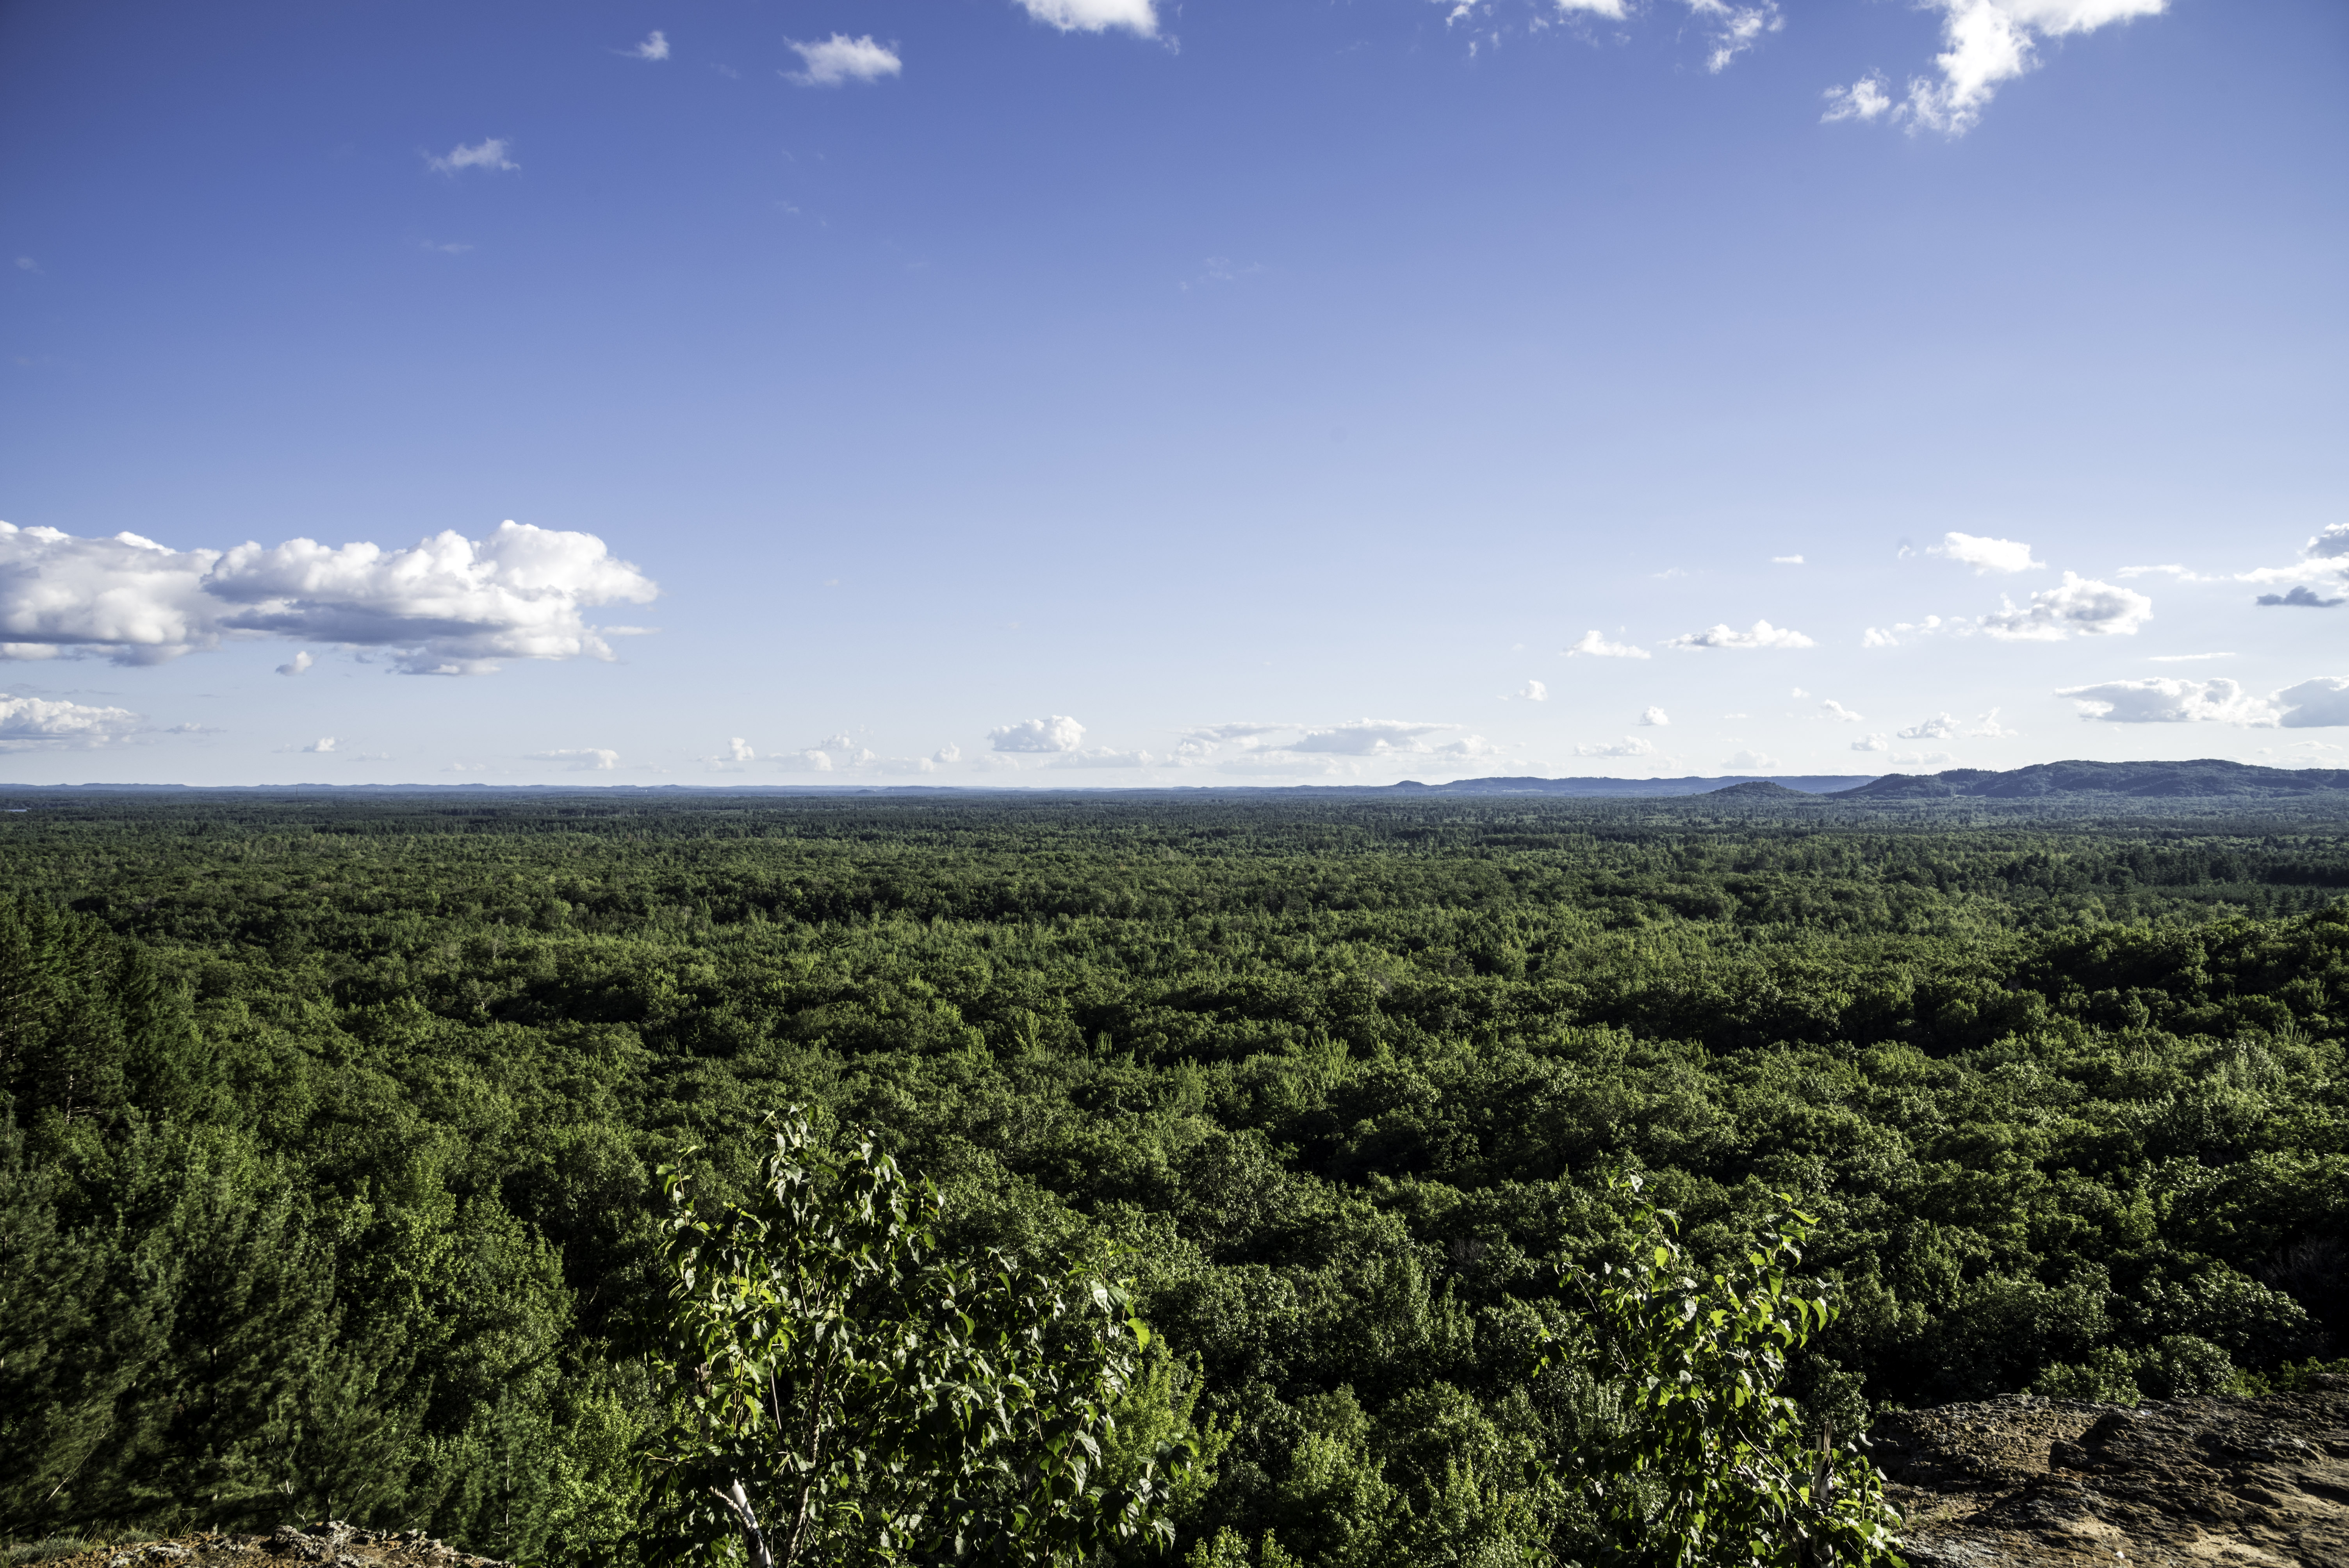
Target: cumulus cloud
(1654,715)
(1872,743)
(2166,701)
(297,664)
(1988,43)
(581,758)
(1735,29)
(1750,762)
(318,747)
(448,605)
(1941,726)
(1058,733)
(2304,597)
(1599,647)
(1761,635)
(40,724)
(1136,16)
(2080,604)
(839,58)
(488,153)
(808,761)
(653,47)
(1865,100)
(738,750)
(1985,555)
(1840,714)
(1534,691)
(948,753)
(1987,727)
(2315,705)
(1629,745)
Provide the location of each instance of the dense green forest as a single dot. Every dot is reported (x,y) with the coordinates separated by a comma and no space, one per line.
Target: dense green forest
(327,1151)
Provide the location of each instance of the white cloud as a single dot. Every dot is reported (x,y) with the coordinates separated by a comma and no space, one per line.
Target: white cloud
(26,264)
(297,664)
(948,753)
(738,750)
(1786,560)
(1369,738)
(1534,691)
(1986,554)
(1987,727)
(40,724)
(1840,714)
(2183,658)
(1599,647)
(2165,701)
(1871,743)
(653,47)
(1102,757)
(1991,42)
(2315,705)
(1467,746)
(2078,604)
(1865,100)
(2333,544)
(1889,636)
(1761,635)
(1735,28)
(1750,762)
(1941,726)
(1247,734)
(1094,16)
(320,747)
(488,153)
(581,759)
(1922,757)
(808,761)
(840,58)
(837,743)
(1800,692)
(1654,715)
(449,606)
(1629,745)
(1058,733)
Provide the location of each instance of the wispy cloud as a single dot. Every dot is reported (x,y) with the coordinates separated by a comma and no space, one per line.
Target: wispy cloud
(839,58)
(1761,635)
(1786,560)
(1735,29)
(1629,745)
(581,758)
(653,47)
(1985,555)
(1599,647)
(489,152)
(1865,100)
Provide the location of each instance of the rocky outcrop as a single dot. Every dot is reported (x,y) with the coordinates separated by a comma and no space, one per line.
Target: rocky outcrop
(332,1543)
(2029,1482)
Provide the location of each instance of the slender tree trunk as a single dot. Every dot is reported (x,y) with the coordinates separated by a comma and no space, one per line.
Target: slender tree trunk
(738,1502)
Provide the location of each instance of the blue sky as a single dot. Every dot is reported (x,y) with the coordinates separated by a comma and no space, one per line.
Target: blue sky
(1111,392)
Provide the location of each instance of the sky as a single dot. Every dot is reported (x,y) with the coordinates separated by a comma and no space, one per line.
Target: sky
(1125,393)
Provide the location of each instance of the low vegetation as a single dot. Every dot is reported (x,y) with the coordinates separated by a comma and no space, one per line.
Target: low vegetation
(329,1176)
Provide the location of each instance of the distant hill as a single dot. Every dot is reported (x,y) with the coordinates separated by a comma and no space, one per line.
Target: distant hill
(1759,790)
(1799,784)
(2205,776)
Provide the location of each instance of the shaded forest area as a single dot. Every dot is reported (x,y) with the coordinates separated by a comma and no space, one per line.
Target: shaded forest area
(325,1170)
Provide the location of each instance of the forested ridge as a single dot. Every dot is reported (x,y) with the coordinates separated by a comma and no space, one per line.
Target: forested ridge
(326,1177)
